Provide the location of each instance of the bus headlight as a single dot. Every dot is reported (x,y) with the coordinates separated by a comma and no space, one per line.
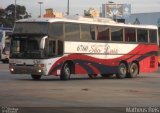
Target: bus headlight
(11,69)
(39,70)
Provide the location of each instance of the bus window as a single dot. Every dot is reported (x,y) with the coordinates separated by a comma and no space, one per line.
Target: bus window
(130,35)
(103,33)
(72,31)
(56,30)
(52,48)
(116,34)
(153,36)
(87,32)
(25,47)
(31,27)
(93,32)
(33,45)
(16,46)
(142,35)
(60,48)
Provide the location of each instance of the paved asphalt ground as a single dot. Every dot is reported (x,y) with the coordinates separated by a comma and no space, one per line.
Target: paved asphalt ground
(80,91)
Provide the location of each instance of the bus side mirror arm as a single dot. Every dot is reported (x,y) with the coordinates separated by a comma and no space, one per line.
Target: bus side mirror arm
(42,44)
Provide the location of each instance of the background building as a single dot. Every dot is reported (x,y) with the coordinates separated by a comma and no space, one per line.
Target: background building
(152,18)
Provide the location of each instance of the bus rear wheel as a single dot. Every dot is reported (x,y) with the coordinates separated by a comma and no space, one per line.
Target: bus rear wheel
(36,77)
(133,70)
(122,71)
(66,72)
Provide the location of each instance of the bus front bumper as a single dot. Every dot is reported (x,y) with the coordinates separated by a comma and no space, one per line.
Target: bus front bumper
(26,70)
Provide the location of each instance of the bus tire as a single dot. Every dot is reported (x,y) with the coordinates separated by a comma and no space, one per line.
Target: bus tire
(5,61)
(36,77)
(66,72)
(122,71)
(92,76)
(133,70)
(106,75)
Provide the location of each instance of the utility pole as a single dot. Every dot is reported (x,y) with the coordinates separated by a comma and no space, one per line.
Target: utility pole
(68,8)
(15,11)
(40,3)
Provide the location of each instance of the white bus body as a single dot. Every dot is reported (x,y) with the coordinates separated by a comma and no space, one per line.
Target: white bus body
(65,46)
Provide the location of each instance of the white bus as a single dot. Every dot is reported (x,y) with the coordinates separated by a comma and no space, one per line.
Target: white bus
(92,46)
(5,39)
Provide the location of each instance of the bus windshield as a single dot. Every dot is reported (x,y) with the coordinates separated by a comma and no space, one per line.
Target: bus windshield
(32,28)
(27,47)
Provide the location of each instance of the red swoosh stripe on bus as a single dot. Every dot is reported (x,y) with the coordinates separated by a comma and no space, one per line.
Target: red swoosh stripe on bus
(141,50)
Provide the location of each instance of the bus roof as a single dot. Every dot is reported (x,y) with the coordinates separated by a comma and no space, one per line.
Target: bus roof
(85,20)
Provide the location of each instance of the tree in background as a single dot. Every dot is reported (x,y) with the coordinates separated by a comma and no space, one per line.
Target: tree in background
(2,16)
(7,15)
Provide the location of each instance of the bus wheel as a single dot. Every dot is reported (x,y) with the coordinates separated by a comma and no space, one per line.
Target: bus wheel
(5,61)
(122,71)
(133,70)
(92,76)
(66,72)
(36,77)
(106,75)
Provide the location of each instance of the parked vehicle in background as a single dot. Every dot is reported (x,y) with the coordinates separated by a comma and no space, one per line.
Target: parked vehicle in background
(159,57)
(78,45)
(5,40)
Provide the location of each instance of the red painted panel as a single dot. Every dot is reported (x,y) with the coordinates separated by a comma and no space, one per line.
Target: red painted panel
(79,69)
(146,65)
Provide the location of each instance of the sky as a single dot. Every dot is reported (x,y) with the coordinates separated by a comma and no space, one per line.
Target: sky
(78,6)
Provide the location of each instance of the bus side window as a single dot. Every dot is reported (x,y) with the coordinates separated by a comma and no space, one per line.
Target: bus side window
(87,32)
(142,35)
(103,33)
(153,36)
(72,31)
(52,48)
(116,34)
(60,48)
(56,30)
(93,31)
(130,35)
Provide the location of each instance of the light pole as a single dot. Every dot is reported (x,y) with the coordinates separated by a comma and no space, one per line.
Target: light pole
(68,8)
(15,11)
(40,3)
